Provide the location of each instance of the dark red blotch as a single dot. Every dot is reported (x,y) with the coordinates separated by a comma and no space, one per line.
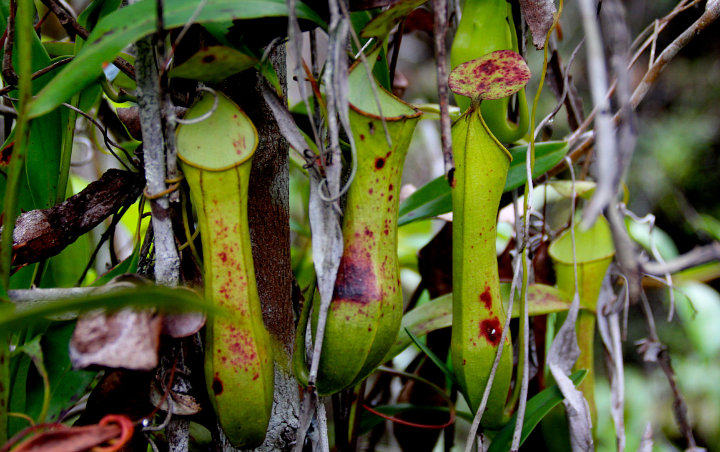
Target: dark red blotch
(356,280)
(491,330)
(217,386)
(486,298)
(6,153)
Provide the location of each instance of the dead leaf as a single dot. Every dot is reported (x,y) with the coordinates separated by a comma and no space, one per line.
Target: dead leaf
(127,339)
(117,429)
(539,15)
(182,325)
(563,353)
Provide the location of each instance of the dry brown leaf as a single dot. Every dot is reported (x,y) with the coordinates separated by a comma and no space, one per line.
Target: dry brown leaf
(183,324)
(127,339)
(539,15)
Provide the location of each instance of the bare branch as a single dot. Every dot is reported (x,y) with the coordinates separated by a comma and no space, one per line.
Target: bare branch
(698,256)
(712,11)
(441,24)
(167,261)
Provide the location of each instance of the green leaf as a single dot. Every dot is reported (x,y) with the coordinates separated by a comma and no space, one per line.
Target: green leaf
(537,407)
(698,306)
(150,296)
(430,200)
(213,64)
(128,265)
(59,48)
(43,152)
(96,10)
(437,313)
(383,23)
(64,269)
(547,155)
(21,364)
(434,198)
(38,396)
(125,26)
(641,233)
(66,384)
(433,357)
(703,273)
(709,225)
(427,317)
(541,299)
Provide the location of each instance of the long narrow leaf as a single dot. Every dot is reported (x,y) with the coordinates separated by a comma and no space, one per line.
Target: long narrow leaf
(129,24)
(434,198)
(433,357)
(163,298)
(537,407)
(437,313)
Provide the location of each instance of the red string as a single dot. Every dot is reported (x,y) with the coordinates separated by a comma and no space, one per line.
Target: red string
(413,424)
(126,432)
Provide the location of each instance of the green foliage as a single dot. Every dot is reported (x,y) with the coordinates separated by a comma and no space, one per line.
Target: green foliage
(434,198)
(127,25)
(673,168)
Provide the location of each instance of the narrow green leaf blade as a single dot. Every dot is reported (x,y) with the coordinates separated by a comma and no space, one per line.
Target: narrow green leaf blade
(437,313)
(547,155)
(163,298)
(384,22)
(537,408)
(433,357)
(125,26)
(434,198)
(427,317)
(67,385)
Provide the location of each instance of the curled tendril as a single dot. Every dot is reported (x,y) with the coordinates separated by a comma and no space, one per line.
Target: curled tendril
(346,187)
(126,432)
(205,115)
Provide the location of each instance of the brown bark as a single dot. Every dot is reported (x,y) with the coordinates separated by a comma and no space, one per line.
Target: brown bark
(40,234)
(268,205)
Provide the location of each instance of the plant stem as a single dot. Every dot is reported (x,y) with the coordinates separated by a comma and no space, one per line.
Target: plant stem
(23,38)
(524,333)
(167,262)
(440,19)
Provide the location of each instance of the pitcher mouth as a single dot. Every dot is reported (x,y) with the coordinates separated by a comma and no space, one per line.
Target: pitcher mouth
(382,93)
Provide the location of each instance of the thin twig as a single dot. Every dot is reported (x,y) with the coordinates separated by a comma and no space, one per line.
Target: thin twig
(103,238)
(698,256)
(8,71)
(653,350)
(6,89)
(72,27)
(711,13)
(109,143)
(441,25)
(563,96)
